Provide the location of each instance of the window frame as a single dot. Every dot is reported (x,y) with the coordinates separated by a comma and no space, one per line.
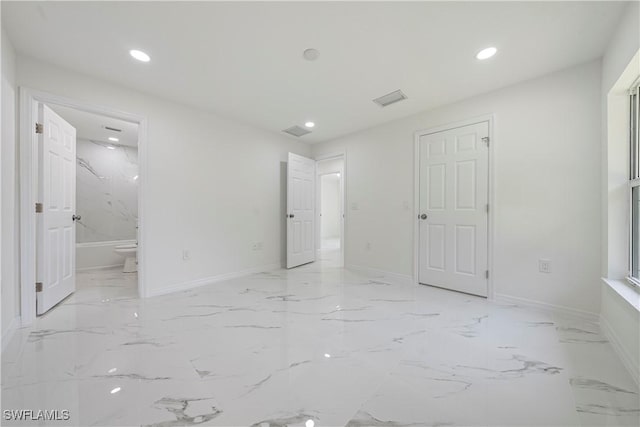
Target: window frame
(634,174)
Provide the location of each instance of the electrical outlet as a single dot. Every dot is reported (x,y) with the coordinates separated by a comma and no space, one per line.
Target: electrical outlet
(354,206)
(405,205)
(544,266)
(368,246)
(186,254)
(257,246)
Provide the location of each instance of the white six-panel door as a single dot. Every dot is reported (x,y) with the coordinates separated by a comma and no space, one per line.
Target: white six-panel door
(301,185)
(453,217)
(56,234)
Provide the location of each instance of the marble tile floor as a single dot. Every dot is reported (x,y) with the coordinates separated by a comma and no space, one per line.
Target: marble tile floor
(316,343)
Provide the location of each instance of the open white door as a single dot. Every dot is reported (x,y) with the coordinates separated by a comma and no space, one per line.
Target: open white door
(301,185)
(56,233)
(454,184)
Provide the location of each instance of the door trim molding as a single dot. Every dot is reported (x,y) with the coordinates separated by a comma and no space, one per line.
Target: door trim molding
(28,172)
(491,196)
(343,184)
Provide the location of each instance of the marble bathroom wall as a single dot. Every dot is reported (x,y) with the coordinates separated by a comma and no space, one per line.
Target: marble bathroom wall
(106,192)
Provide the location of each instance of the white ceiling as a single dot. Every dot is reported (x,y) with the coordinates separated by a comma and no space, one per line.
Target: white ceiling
(244,60)
(92,127)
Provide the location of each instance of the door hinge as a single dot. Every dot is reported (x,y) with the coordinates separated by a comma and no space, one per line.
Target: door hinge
(39,128)
(487,207)
(38,286)
(486,274)
(485,139)
(39,208)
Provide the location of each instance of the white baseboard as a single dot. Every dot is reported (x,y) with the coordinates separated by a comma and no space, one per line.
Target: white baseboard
(213,279)
(585,315)
(620,350)
(395,278)
(10,332)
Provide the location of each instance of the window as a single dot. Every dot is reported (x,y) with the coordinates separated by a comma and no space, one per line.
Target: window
(634,184)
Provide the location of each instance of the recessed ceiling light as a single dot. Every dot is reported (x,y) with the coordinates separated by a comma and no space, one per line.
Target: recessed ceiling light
(311,54)
(115,390)
(113,138)
(486,53)
(139,55)
(111,147)
(309,124)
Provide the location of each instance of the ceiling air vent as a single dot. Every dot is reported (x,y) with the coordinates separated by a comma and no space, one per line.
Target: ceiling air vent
(296,131)
(390,98)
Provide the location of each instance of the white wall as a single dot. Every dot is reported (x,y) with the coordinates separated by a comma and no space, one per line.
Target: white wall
(330,166)
(330,206)
(106,192)
(214,186)
(620,318)
(620,321)
(547,175)
(9,207)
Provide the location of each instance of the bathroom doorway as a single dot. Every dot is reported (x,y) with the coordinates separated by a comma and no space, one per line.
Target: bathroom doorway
(330,209)
(81,168)
(107,174)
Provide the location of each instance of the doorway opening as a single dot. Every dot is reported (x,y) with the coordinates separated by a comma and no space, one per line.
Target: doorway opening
(330,210)
(82,168)
(106,200)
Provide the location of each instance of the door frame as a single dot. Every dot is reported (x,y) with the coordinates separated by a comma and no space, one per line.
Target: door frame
(489,118)
(343,190)
(29,168)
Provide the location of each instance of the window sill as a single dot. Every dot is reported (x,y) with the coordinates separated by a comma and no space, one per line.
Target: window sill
(627,292)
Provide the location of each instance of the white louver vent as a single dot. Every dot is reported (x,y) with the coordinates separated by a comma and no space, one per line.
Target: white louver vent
(296,131)
(390,98)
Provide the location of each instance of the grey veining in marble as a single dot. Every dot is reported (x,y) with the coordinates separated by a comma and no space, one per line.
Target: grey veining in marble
(178,407)
(316,344)
(106,191)
(285,421)
(590,384)
(365,419)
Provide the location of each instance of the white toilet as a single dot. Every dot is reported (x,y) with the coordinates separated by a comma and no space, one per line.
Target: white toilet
(129,253)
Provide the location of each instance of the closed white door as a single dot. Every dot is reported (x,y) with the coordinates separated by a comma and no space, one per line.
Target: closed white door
(453,218)
(301,185)
(56,234)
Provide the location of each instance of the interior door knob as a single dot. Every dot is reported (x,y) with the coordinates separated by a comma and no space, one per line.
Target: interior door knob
(423,216)
(76,217)
(291,215)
